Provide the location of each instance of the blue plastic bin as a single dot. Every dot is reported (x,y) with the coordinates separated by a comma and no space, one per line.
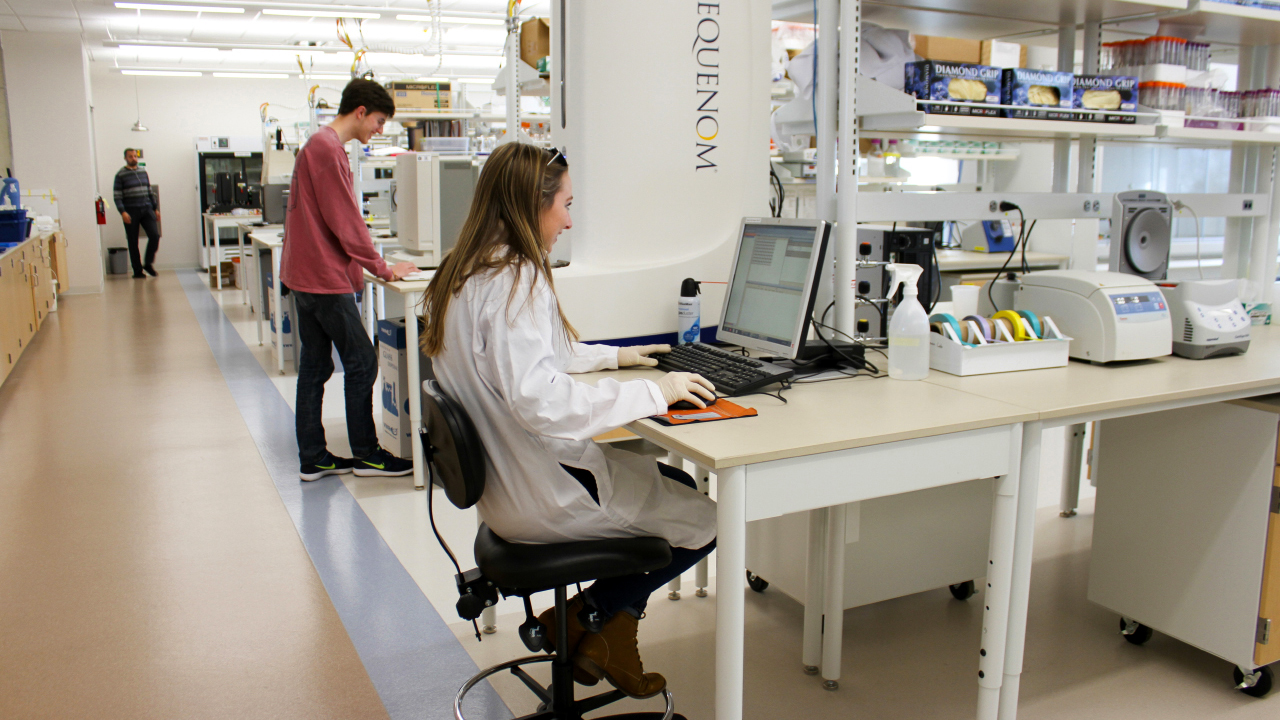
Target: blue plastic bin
(13,226)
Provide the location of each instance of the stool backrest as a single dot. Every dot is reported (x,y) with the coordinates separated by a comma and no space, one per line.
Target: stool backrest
(450,443)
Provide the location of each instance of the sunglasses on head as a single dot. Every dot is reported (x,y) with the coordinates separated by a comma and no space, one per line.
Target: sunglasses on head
(557,157)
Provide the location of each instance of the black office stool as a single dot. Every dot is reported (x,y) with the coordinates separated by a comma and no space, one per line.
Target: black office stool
(456,460)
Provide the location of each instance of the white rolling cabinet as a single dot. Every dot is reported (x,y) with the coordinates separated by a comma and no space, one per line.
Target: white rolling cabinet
(895,546)
(1185,540)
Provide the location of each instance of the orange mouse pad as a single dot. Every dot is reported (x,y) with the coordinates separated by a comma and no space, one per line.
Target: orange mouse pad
(722,410)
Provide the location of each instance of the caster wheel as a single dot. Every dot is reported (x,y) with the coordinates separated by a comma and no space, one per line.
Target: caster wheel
(964,590)
(1261,680)
(756,582)
(1135,632)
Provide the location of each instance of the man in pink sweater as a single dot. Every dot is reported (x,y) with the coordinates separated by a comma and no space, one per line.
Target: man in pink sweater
(326,245)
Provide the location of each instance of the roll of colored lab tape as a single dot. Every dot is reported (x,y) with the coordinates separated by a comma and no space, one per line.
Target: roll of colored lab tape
(940,319)
(1012,322)
(984,325)
(1034,321)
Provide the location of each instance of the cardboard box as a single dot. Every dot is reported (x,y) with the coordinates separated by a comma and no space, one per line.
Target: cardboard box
(1105,92)
(394,430)
(947,49)
(421,95)
(1038,94)
(228,275)
(1003,54)
(535,40)
(974,85)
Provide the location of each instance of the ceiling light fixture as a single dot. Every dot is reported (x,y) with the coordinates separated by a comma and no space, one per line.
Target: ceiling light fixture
(179,8)
(476,81)
(322,14)
(265,76)
(317,76)
(163,73)
(453,20)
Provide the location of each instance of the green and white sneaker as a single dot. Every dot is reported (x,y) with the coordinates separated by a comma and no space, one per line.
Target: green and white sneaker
(331,465)
(381,463)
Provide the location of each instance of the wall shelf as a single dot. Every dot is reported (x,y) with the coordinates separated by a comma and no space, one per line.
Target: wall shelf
(916,124)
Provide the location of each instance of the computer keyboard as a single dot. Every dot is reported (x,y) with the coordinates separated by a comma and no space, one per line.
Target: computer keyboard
(731,373)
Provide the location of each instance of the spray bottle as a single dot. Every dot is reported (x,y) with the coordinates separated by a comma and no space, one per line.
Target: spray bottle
(909,328)
(689,314)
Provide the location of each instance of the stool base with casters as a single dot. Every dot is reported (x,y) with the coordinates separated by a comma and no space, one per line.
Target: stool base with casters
(556,700)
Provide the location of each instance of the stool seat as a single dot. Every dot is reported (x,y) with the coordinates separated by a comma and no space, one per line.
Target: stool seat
(538,567)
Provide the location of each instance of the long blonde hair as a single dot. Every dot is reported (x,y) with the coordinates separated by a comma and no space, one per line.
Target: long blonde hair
(503,229)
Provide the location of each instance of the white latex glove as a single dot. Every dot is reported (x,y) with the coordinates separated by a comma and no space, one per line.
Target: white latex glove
(677,386)
(636,355)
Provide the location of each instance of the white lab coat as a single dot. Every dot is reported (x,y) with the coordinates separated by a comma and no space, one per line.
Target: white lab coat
(508,365)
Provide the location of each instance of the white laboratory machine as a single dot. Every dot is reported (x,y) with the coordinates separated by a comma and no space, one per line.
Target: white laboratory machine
(1207,317)
(1141,234)
(1109,316)
(432,199)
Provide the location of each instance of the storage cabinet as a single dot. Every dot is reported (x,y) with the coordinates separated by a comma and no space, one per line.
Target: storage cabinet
(1186,537)
(26,298)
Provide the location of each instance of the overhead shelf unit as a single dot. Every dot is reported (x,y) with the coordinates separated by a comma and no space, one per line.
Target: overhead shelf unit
(859,108)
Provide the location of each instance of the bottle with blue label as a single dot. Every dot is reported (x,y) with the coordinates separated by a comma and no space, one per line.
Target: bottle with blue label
(10,197)
(689,313)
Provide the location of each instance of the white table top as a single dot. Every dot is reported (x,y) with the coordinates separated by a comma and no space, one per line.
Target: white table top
(822,417)
(268,237)
(229,216)
(1082,388)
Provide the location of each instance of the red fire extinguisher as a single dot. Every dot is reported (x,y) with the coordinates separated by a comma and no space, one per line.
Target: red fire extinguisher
(101,208)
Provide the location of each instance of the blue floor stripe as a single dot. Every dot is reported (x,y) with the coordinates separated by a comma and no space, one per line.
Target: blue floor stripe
(414,660)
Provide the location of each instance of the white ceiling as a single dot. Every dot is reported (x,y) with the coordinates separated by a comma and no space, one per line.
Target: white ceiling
(253,42)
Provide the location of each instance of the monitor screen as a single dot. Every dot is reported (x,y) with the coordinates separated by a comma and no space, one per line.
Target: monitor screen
(772,284)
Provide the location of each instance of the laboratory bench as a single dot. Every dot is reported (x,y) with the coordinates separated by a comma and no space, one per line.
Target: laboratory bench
(29,275)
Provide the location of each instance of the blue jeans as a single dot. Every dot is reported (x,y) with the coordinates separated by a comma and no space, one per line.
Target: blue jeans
(326,322)
(612,595)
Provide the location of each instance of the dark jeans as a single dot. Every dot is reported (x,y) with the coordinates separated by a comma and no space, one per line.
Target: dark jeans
(326,322)
(146,219)
(612,595)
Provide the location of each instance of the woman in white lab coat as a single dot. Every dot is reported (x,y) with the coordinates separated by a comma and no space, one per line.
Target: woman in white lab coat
(502,348)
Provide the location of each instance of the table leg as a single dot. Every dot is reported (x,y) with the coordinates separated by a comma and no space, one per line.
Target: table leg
(1020,581)
(673,587)
(277,340)
(257,290)
(366,309)
(700,581)
(414,389)
(244,282)
(811,655)
(1073,464)
(833,599)
(731,561)
(993,648)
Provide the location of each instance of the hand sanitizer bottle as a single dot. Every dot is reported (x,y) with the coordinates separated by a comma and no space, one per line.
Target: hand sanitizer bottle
(909,327)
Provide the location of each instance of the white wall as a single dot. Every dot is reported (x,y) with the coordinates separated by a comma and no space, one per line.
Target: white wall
(176,110)
(47,88)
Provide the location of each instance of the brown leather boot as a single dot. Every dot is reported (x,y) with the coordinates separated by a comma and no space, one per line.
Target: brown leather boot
(614,655)
(575,632)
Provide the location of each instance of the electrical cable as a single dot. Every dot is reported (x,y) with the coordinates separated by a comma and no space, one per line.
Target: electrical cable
(1180,206)
(1006,206)
(1025,242)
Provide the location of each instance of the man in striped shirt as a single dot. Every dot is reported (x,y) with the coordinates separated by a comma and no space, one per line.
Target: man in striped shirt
(139,207)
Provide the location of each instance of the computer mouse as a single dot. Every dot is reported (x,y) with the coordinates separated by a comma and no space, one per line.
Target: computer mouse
(686,405)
